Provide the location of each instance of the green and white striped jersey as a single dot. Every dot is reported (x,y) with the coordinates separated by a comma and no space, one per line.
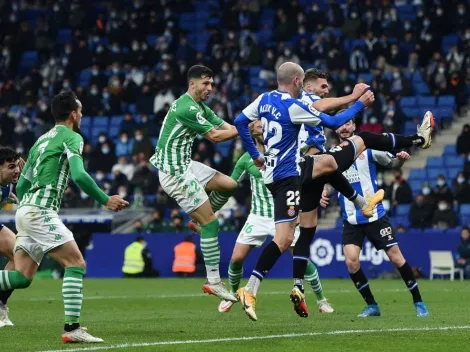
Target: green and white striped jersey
(184,121)
(262,203)
(47,167)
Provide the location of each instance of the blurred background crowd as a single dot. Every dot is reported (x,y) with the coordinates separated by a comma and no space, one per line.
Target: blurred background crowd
(127,60)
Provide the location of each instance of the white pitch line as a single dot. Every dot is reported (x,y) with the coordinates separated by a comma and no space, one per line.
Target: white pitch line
(195,295)
(251,338)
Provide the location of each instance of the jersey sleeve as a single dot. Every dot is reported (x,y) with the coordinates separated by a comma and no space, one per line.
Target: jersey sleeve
(212,117)
(73,145)
(239,170)
(301,112)
(252,110)
(382,158)
(191,117)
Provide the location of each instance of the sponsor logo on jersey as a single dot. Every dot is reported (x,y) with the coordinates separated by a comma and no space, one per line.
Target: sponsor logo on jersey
(193,108)
(314,111)
(362,157)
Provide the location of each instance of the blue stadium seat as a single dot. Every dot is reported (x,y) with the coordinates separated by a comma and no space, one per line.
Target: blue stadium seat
(418,174)
(416,185)
(449,40)
(264,35)
(465,209)
(254,71)
(449,150)
(420,88)
(113,131)
(434,173)
(64,36)
(29,59)
(446,113)
(446,100)
(101,121)
(85,77)
(427,102)
(152,39)
(408,102)
(435,162)
(454,161)
(452,172)
(154,141)
(403,209)
(411,113)
(367,77)
(464,220)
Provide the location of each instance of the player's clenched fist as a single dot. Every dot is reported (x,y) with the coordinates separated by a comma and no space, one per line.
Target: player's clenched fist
(360,89)
(367,98)
(116,203)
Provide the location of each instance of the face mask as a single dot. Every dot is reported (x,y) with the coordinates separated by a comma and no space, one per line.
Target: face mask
(287,52)
(135,47)
(460,180)
(373,120)
(354,15)
(66,85)
(439,12)
(99,49)
(221,221)
(105,150)
(19,129)
(102,139)
(83,195)
(461,11)
(442,69)
(106,95)
(225,69)
(394,52)
(426,191)
(388,122)
(123,194)
(217,159)
(467,35)
(315,8)
(99,177)
(139,137)
(115,70)
(426,23)
(407,26)
(396,75)
(380,182)
(124,139)
(441,183)
(442,206)
(231,35)
(20,150)
(94,91)
(238,146)
(94,72)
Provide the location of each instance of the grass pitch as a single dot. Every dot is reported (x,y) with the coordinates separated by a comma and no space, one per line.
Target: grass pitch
(173,315)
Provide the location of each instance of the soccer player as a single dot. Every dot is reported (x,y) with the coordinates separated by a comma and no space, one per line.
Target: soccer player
(260,225)
(9,173)
(55,156)
(282,114)
(186,180)
(363,177)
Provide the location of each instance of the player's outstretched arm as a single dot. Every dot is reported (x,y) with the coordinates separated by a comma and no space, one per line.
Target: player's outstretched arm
(89,186)
(329,104)
(221,135)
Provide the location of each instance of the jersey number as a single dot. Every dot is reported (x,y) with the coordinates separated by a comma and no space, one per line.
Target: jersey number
(276,129)
(292,198)
(41,148)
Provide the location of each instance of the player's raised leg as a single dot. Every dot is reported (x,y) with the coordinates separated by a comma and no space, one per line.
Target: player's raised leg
(359,279)
(396,257)
(7,243)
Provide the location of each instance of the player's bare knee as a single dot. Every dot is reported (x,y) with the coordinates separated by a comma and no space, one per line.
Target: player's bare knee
(353,264)
(237,258)
(232,184)
(396,257)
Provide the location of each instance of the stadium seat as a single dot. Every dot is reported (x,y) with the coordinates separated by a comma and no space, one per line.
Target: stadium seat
(452,172)
(433,173)
(446,100)
(101,121)
(29,59)
(254,71)
(408,102)
(435,161)
(465,209)
(449,150)
(450,40)
(426,102)
(417,174)
(416,185)
(64,36)
(454,161)
(403,209)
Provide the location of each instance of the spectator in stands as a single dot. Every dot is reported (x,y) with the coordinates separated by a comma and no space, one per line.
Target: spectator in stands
(142,145)
(461,189)
(442,190)
(124,167)
(70,199)
(399,192)
(156,224)
(128,124)
(138,227)
(444,217)
(463,251)
(421,213)
(143,177)
(372,125)
(463,141)
(105,156)
(124,145)
(176,221)
(123,191)
(358,61)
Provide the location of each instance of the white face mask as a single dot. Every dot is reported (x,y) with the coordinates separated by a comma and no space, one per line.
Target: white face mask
(139,137)
(441,183)
(102,139)
(426,191)
(460,180)
(442,69)
(373,120)
(99,177)
(123,194)
(124,139)
(442,206)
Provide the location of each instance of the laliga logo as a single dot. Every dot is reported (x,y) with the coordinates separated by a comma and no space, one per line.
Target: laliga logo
(322,252)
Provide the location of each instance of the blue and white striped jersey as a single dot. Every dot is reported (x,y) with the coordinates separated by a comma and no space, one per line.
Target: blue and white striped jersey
(282,117)
(6,191)
(311,136)
(362,176)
